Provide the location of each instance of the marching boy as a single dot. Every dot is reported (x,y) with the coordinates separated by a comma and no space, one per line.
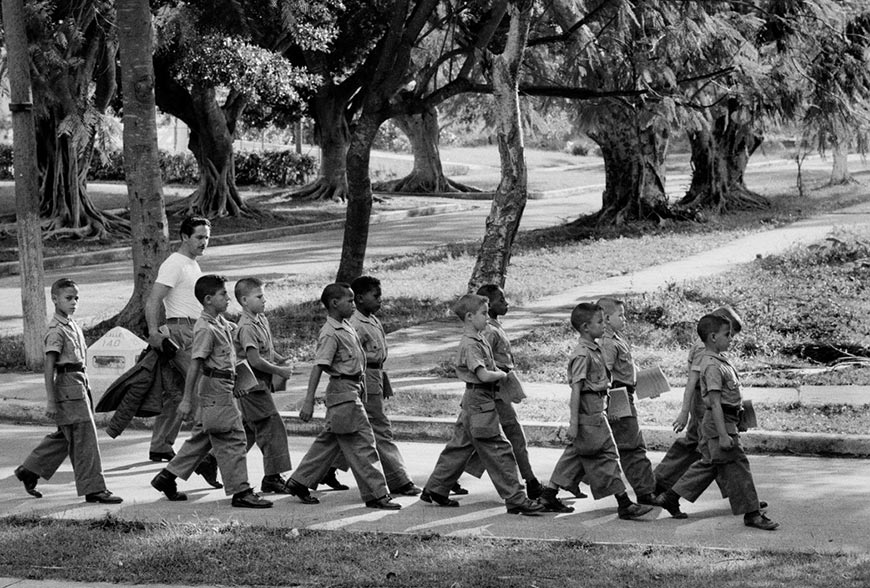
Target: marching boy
(69,404)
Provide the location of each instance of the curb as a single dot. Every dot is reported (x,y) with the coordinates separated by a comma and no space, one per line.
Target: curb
(10,268)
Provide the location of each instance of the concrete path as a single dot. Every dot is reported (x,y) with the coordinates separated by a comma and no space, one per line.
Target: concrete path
(820,503)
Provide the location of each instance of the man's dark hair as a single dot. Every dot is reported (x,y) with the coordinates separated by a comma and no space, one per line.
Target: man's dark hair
(189,224)
(208,285)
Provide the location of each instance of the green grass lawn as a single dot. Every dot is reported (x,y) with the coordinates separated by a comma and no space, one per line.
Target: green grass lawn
(203,553)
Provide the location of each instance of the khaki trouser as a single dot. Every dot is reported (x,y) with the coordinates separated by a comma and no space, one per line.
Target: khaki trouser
(79,442)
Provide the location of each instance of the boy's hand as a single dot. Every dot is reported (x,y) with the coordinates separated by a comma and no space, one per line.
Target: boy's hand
(51,410)
(725,443)
(155,340)
(240,393)
(307,411)
(184,410)
(680,422)
(285,372)
(572,432)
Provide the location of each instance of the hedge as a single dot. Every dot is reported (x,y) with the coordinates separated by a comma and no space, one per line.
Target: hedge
(268,168)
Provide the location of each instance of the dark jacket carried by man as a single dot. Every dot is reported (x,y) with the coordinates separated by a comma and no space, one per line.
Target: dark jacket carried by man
(138,392)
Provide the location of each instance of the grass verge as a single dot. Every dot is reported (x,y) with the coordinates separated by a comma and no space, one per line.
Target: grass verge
(112,550)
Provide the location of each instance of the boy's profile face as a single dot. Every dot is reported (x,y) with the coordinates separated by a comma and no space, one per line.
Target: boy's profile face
(595,327)
(195,244)
(343,305)
(219,301)
(255,301)
(498,305)
(479,316)
(66,300)
(370,302)
(721,339)
(616,320)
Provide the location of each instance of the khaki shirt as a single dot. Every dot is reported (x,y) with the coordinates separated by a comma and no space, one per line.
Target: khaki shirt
(371,336)
(64,337)
(252,331)
(473,352)
(586,366)
(339,352)
(717,373)
(213,342)
(617,357)
(499,343)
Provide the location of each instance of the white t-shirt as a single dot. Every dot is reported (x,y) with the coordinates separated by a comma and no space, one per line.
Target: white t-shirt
(180,273)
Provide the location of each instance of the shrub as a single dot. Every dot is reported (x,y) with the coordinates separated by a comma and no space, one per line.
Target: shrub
(6,172)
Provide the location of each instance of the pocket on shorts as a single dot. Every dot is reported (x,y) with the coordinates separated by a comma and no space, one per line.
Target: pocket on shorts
(65,392)
(483,421)
(593,434)
(219,418)
(346,418)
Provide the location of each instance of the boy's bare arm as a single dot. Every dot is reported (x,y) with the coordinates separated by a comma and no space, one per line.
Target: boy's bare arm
(715,399)
(258,362)
(688,401)
(489,376)
(307,410)
(190,380)
(51,398)
(574,408)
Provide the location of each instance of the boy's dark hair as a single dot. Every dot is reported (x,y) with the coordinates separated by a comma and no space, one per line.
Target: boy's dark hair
(610,305)
(62,284)
(208,285)
(729,314)
(468,303)
(245,286)
(364,284)
(189,224)
(334,291)
(489,290)
(583,313)
(711,323)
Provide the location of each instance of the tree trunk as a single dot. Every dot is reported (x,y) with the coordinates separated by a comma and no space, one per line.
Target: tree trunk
(26,185)
(150,238)
(359,201)
(840,170)
(333,137)
(510,198)
(634,170)
(428,175)
(719,159)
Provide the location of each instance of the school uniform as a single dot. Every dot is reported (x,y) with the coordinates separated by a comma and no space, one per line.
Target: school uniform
(731,466)
(477,429)
(374,343)
(263,425)
(507,416)
(76,434)
(347,431)
(218,424)
(592,455)
(626,431)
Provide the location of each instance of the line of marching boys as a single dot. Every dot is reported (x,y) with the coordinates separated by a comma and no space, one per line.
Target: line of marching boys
(351,350)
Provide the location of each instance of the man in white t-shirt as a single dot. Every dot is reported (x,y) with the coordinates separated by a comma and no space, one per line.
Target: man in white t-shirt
(173,291)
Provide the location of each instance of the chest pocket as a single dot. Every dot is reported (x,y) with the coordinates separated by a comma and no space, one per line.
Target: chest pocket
(483,421)
(371,345)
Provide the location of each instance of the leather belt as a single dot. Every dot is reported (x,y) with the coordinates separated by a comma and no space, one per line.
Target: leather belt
(66,368)
(374,365)
(218,374)
(730,409)
(489,386)
(180,319)
(352,377)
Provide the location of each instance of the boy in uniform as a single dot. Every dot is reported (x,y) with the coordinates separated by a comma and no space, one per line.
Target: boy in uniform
(218,426)
(347,431)
(722,457)
(367,299)
(592,451)
(507,416)
(69,404)
(477,429)
(263,424)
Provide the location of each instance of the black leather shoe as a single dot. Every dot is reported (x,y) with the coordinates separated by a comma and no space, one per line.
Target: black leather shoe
(208,469)
(528,508)
(274,483)
(103,497)
(29,479)
(551,503)
(458,490)
(576,491)
(331,481)
(759,521)
(161,455)
(248,499)
(409,489)
(673,507)
(438,499)
(383,503)
(649,499)
(299,491)
(633,511)
(165,482)
(533,488)
(762,504)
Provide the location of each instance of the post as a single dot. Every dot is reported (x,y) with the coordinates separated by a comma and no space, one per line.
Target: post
(26,185)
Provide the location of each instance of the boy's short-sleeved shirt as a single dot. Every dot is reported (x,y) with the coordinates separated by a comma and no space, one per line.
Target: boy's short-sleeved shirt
(371,336)
(252,331)
(586,364)
(64,337)
(499,343)
(473,352)
(717,373)
(339,351)
(617,357)
(213,342)
(180,273)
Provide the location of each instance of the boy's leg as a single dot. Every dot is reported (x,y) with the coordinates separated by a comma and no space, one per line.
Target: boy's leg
(229,450)
(193,451)
(49,454)
(632,456)
(451,461)
(700,474)
(474,466)
(498,458)
(736,477)
(317,460)
(514,433)
(569,468)
(681,454)
(84,453)
(271,437)
(390,457)
(602,471)
(359,450)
